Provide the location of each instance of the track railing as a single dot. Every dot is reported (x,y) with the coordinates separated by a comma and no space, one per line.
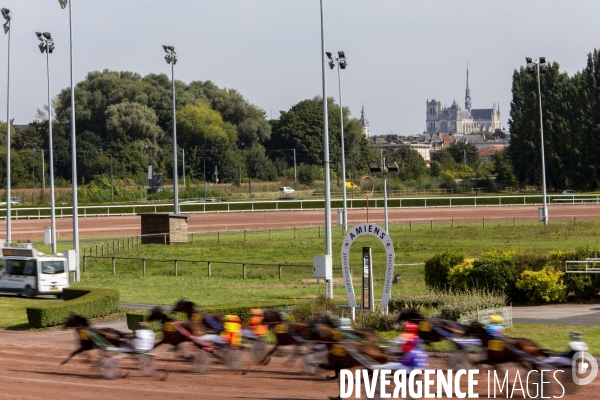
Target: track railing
(297,204)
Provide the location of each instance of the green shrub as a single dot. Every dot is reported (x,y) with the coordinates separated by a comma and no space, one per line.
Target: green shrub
(529,261)
(438,267)
(88,303)
(542,285)
(493,271)
(458,277)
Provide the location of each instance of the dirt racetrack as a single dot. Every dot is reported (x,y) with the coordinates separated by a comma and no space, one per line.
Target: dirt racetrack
(29,367)
(130,225)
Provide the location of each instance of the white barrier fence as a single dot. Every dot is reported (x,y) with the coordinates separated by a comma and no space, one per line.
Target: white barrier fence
(191,207)
(483,316)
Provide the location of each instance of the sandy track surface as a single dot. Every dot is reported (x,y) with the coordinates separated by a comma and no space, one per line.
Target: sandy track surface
(29,367)
(122,226)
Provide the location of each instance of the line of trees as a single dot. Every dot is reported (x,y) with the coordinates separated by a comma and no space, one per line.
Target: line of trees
(571,120)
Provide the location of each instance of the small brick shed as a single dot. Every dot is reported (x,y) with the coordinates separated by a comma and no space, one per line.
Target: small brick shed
(164,228)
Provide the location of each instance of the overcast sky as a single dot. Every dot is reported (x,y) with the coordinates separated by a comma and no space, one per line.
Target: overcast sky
(399,53)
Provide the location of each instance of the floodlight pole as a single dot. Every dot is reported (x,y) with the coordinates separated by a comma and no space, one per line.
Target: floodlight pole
(175,186)
(52,203)
(8,210)
(328,250)
(73,148)
(545,216)
(345,216)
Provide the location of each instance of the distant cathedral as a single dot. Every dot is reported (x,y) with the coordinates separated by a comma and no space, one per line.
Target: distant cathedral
(364,123)
(454,119)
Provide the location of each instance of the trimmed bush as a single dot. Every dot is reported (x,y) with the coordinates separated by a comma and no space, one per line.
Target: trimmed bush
(458,277)
(88,303)
(438,267)
(542,285)
(494,272)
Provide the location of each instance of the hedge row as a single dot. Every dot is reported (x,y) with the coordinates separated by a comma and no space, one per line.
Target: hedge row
(88,303)
(451,305)
(522,276)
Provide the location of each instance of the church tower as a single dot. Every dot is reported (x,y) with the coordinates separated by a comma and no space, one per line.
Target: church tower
(468,92)
(364,123)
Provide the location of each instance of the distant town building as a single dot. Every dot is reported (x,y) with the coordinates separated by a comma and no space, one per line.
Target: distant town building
(455,119)
(364,123)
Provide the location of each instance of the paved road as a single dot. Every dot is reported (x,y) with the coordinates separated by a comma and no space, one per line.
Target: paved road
(561,314)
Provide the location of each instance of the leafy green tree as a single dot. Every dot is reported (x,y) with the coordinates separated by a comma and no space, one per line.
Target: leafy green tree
(460,150)
(503,169)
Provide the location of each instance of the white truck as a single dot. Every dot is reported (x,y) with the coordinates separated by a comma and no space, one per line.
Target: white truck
(29,273)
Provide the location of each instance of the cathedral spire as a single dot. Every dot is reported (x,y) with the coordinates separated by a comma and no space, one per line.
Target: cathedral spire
(468,92)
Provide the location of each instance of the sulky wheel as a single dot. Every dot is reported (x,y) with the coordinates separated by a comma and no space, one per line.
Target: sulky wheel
(259,350)
(459,360)
(109,368)
(201,362)
(147,364)
(309,364)
(234,359)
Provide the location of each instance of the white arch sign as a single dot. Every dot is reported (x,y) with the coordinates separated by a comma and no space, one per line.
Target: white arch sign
(380,233)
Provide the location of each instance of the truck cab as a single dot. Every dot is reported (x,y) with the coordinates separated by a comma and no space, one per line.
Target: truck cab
(29,273)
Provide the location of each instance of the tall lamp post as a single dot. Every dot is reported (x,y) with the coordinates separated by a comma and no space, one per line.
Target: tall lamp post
(112,185)
(541,67)
(8,16)
(63,4)
(171,58)
(340,60)
(47,46)
(326,161)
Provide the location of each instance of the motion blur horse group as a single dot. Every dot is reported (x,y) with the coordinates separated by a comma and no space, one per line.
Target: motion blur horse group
(318,340)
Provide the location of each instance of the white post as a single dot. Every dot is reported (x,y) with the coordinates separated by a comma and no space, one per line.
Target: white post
(8,211)
(542,135)
(329,282)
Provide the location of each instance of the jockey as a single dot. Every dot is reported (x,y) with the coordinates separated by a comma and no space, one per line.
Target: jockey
(410,333)
(495,329)
(232,330)
(144,338)
(255,323)
(416,357)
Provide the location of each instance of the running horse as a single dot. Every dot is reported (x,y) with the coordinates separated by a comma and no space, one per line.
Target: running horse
(346,354)
(501,350)
(171,334)
(212,322)
(85,333)
(432,330)
(289,333)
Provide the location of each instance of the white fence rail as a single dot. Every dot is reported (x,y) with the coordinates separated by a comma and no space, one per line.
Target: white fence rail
(589,266)
(189,207)
(483,316)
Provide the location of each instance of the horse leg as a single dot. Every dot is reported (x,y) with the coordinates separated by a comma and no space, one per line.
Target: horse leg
(76,351)
(267,357)
(295,354)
